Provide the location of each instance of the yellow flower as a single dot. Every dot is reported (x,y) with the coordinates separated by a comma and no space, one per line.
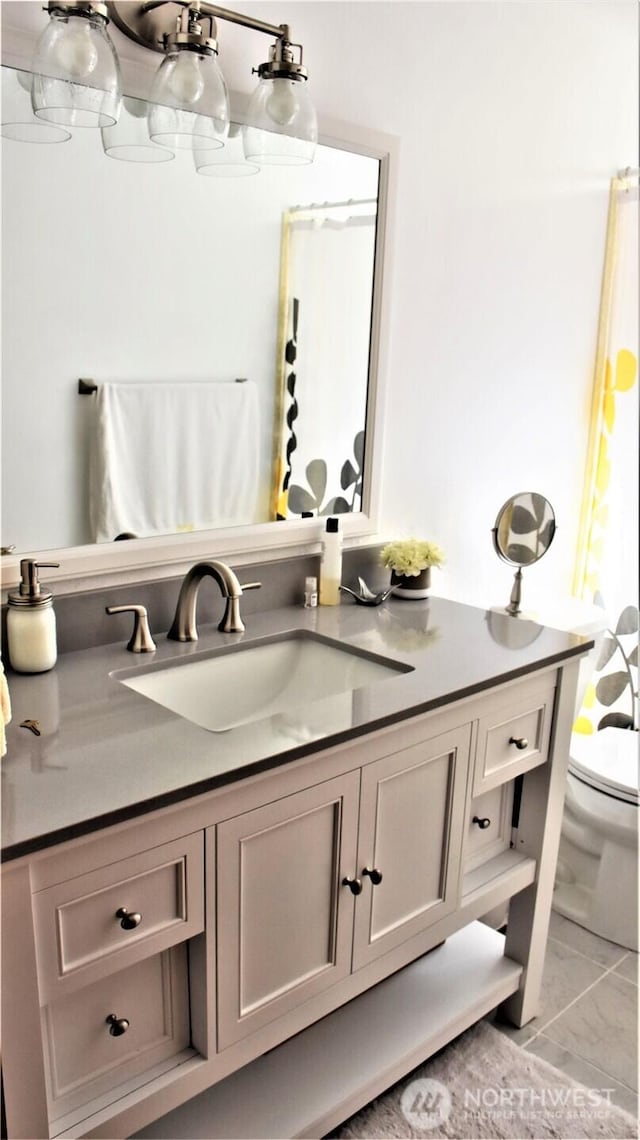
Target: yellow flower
(409,556)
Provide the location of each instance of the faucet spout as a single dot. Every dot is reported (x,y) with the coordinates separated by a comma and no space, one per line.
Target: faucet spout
(184,623)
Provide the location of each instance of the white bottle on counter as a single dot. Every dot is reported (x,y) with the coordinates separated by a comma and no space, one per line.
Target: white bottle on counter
(31,623)
(331,564)
(310,593)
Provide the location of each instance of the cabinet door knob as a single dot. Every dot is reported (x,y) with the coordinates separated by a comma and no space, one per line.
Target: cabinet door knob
(129,920)
(117,1025)
(354,885)
(520,742)
(374,875)
(482,822)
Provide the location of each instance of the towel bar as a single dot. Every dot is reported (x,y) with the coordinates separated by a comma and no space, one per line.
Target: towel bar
(89,387)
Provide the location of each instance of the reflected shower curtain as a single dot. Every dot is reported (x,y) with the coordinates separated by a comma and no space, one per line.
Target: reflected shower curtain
(325,323)
(607,563)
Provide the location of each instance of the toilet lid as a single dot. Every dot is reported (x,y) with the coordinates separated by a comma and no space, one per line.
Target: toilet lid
(608,761)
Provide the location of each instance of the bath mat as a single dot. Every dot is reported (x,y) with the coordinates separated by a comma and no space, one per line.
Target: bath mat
(483,1085)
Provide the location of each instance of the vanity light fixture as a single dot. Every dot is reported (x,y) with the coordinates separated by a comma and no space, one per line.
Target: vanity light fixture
(189,98)
(76,77)
(281,127)
(189,95)
(76,74)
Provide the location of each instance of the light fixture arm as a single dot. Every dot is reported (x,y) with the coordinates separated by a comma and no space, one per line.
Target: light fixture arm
(140,22)
(218,13)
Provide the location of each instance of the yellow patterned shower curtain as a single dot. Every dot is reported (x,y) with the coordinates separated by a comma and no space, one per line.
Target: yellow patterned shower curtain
(607,559)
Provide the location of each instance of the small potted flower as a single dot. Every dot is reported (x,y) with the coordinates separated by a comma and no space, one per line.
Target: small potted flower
(410,561)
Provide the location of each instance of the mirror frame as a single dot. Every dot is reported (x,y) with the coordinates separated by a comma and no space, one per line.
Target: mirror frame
(148,559)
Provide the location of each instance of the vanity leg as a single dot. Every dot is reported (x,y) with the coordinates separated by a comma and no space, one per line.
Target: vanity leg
(538,836)
(22,1061)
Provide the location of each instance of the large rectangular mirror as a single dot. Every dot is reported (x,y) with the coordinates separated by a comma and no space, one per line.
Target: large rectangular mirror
(150,275)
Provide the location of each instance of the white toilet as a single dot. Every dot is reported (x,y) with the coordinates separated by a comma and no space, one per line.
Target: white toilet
(597,874)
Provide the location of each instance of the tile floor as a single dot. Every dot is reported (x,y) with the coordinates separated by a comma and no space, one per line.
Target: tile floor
(588,1024)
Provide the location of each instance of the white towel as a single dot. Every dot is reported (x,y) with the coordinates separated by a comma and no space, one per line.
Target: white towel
(170,457)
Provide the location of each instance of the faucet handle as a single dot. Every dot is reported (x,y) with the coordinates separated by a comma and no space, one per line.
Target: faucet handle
(141,640)
(231,620)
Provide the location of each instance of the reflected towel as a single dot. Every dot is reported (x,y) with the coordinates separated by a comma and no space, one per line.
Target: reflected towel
(5,709)
(171,457)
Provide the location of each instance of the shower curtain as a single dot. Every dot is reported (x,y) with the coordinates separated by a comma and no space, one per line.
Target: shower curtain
(325,323)
(607,561)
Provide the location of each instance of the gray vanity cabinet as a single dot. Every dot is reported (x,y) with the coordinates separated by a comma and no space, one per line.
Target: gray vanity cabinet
(253,936)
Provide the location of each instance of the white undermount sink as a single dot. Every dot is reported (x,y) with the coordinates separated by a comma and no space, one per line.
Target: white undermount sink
(239,684)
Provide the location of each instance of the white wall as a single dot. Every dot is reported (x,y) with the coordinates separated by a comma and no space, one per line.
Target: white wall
(513,117)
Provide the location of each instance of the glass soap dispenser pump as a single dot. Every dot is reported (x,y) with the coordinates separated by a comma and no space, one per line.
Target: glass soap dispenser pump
(31,622)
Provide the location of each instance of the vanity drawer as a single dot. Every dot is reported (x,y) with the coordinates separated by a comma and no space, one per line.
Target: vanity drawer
(85,1059)
(488,826)
(513,734)
(83,932)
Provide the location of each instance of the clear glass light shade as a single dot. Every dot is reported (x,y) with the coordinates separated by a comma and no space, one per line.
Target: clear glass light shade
(128,139)
(18,120)
(76,80)
(189,102)
(226,163)
(282,128)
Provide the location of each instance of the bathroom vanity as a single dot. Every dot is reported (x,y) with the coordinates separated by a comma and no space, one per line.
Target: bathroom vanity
(252,932)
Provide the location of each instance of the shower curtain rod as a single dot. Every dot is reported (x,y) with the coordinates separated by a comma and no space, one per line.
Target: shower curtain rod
(332,205)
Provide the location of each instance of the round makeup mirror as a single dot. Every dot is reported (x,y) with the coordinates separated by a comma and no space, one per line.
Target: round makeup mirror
(523,532)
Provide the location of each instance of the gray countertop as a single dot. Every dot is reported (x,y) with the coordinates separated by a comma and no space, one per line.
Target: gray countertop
(106,753)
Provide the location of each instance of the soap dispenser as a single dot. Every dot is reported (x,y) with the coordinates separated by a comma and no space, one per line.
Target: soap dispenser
(31,623)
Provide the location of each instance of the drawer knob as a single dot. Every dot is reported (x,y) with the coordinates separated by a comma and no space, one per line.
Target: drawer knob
(128,921)
(354,885)
(482,822)
(374,875)
(117,1025)
(520,742)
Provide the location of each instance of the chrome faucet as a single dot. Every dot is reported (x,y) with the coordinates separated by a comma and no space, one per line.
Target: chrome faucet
(184,623)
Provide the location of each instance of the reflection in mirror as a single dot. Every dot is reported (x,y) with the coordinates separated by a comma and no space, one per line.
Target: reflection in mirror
(523,532)
(146,273)
(18,120)
(322,443)
(128,139)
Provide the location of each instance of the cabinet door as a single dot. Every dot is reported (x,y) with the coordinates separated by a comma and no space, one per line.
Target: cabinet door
(284,922)
(411,816)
